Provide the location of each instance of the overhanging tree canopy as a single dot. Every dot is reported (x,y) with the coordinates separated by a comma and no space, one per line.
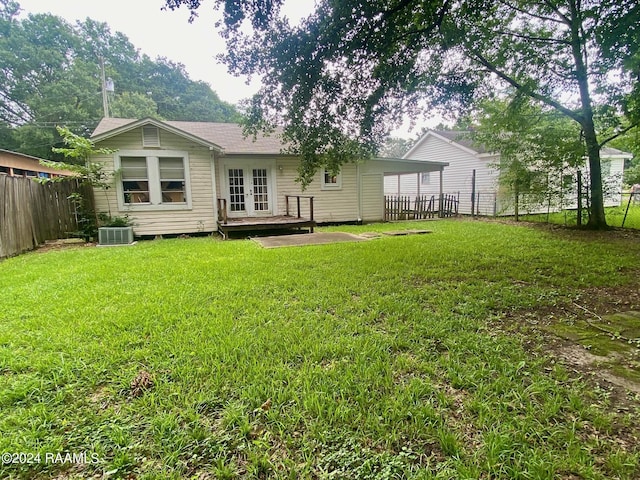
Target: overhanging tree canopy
(50,75)
(339,80)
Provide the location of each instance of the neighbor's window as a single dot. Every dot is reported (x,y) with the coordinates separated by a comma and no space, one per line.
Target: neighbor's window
(425,178)
(331,180)
(172,184)
(135,180)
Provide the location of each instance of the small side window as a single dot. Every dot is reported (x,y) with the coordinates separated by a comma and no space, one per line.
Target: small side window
(331,180)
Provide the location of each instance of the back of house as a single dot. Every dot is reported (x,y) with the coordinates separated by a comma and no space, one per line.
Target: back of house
(173,177)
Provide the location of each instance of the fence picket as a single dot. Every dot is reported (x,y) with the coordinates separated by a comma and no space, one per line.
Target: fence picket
(31,213)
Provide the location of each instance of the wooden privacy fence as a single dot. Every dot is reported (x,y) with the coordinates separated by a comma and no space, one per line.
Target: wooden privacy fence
(31,212)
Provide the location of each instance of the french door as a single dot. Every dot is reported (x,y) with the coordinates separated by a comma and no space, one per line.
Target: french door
(249,190)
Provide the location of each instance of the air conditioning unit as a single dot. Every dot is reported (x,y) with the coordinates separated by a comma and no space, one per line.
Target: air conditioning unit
(115,235)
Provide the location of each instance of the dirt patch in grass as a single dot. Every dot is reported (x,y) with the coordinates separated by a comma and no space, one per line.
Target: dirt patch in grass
(63,244)
(595,335)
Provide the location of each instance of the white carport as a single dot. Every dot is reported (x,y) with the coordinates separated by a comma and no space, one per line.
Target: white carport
(371,182)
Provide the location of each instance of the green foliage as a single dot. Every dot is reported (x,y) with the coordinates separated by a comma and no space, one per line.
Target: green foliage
(78,151)
(109,221)
(396,147)
(632,174)
(538,147)
(351,70)
(52,76)
(133,105)
(630,142)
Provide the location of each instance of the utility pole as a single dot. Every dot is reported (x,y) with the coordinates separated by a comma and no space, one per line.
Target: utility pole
(107,86)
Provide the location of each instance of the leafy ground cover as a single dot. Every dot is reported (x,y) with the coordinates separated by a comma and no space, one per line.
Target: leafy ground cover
(418,356)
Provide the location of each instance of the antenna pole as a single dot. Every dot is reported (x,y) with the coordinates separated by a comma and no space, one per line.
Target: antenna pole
(105,101)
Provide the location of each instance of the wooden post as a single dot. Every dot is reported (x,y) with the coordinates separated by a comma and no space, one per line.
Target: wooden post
(627,209)
(311,212)
(286,202)
(298,203)
(579,178)
(517,201)
(441,192)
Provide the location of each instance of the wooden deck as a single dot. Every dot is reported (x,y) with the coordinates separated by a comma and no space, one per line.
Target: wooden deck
(228,225)
(281,222)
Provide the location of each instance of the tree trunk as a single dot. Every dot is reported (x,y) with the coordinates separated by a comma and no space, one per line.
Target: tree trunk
(597,219)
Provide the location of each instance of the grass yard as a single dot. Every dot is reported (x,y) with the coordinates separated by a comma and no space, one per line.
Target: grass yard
(615,216)
(401,357)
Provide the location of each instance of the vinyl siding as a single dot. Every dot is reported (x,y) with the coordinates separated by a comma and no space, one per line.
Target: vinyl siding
(491,198)
(372,197)
(329,205)
(457,177)
(199,218)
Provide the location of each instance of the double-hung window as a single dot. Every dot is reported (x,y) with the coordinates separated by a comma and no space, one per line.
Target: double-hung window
(135,180)
(172,183)
(153,180)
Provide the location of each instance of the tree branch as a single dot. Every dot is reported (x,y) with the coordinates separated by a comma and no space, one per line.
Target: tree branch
(522,88)
(619,133)
(526,12)
(566,20)
(533,39)
(436,24)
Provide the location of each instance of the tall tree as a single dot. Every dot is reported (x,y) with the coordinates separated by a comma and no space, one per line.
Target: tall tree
(50,75)
(338,81)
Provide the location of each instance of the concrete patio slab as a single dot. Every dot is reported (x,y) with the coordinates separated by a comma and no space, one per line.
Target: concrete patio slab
(294,240)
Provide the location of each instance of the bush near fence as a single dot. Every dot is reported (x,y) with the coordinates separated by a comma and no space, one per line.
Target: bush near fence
(32,212)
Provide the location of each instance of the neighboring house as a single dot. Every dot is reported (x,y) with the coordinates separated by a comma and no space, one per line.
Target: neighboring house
(17,164)
(184,177)
(467,159)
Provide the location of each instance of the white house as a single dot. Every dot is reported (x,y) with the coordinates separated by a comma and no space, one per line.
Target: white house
(183,177)
(467,160)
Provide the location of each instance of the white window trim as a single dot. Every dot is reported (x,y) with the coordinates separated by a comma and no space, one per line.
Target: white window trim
(153,176)
(330,186)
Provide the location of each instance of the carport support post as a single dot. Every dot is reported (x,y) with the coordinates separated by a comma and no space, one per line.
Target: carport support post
(440,202)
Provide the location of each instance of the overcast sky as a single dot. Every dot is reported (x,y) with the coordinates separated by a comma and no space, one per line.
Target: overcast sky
(169,34)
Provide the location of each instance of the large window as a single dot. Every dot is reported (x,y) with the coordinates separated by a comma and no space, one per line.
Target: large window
(158,181)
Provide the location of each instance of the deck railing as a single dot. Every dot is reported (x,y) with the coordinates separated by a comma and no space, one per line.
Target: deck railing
(298,197)
(223,215)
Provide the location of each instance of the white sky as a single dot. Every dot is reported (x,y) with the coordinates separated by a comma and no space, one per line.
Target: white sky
(169,34)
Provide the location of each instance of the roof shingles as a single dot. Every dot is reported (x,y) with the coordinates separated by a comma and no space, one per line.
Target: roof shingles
(229,136)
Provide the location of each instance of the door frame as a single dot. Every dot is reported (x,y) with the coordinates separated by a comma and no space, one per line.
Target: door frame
(247,165)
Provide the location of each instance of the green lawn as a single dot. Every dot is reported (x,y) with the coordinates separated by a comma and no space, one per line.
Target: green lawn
(615,216)
(374,360)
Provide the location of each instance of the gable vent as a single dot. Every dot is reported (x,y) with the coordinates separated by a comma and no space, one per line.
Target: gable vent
(150,136)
